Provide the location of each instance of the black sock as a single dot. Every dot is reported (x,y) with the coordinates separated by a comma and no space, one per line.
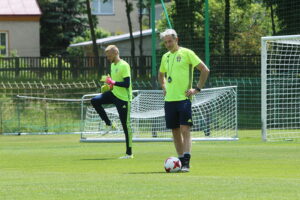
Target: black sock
(187,158)
(129,151)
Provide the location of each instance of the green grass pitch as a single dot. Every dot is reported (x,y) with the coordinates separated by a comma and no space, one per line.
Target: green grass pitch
(58,167)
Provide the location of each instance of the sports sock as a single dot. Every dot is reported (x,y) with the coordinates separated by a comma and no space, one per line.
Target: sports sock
(181,158)
(187,158)
(129,151)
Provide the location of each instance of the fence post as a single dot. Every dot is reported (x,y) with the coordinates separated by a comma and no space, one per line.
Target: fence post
(59,68)
(19,115)
(1,121)
(142,66)
(100,68)
(17,68)
(46,129)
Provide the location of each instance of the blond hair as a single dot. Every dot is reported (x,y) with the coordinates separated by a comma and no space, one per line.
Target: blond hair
(167,32)
(112,48)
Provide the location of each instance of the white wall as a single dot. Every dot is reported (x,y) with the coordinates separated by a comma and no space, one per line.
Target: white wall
(118,24)
(23,37)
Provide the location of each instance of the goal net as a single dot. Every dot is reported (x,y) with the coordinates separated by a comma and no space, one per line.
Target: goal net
(214,117)
(45,115)
(280,84)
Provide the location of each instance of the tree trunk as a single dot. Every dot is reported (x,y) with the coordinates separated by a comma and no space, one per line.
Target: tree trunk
(142,59)
(93,36)
(272,17)
(227,28)
(128,10)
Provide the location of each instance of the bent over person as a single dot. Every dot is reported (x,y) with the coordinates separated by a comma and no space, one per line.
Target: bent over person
(120,94)
(176,77)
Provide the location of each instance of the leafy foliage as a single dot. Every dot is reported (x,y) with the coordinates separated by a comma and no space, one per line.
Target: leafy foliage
(61,21)
(86,36)
(248,27)
(249,20)
(288,15)
(1,47)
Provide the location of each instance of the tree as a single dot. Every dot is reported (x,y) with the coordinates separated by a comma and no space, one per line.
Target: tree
(61,21)
(270,4)
(129,9)
(245,16)
(248,27)
(188,22)
(288,15)
(142,59)
(227,28)
(95,48)
(142,5)
(86,36)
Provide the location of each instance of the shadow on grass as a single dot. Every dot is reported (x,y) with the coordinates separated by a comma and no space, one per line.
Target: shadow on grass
(160,172)
(89,159)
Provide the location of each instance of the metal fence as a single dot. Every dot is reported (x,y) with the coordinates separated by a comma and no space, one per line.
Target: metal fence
(72,68)
(66,68)
(242,71)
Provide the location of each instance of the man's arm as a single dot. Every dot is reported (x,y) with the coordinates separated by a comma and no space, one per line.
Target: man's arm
(204,72)
(203,75)
(162,81)
(125,83)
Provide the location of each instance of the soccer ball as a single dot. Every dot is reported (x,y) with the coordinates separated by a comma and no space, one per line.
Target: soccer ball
(172,164)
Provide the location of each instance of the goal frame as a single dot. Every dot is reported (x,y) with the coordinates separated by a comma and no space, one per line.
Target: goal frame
(87,97)
(264,78)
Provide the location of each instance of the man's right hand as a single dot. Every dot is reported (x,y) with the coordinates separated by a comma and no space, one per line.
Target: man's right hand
(164,89)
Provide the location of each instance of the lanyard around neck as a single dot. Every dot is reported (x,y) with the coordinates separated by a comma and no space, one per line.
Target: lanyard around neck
(170,67)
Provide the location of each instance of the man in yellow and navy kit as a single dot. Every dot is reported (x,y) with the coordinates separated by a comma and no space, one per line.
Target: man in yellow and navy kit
(120,95)
(176,78)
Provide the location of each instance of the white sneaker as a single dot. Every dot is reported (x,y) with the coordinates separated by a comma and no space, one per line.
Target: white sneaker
(185,169)
(127,157)
(108,129)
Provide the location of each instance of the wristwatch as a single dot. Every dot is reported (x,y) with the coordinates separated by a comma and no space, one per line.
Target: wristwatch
(198,89)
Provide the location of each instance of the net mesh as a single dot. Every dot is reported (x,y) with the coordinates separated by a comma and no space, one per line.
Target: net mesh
(41,107)
(214,116)
(282,90)
(48,116)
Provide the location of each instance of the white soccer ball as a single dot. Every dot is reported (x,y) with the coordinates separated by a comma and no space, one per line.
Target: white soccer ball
(172,164)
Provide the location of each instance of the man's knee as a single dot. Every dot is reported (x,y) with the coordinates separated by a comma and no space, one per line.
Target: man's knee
(96,101)
(93,101)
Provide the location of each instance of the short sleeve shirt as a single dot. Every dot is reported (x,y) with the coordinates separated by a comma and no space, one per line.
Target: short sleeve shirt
(179,67)
(120,71)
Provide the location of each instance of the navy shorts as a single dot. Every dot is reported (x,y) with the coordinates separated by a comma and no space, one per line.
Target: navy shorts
(178,113)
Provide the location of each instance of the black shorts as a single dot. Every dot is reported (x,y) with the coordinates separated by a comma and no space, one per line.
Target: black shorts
(178,113)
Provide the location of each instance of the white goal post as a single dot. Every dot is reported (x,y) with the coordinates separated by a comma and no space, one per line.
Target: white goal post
(280,87)
(214,117)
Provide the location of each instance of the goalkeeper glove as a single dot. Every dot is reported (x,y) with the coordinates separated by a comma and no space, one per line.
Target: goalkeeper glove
(109,81)
(103,78)
(106,88)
